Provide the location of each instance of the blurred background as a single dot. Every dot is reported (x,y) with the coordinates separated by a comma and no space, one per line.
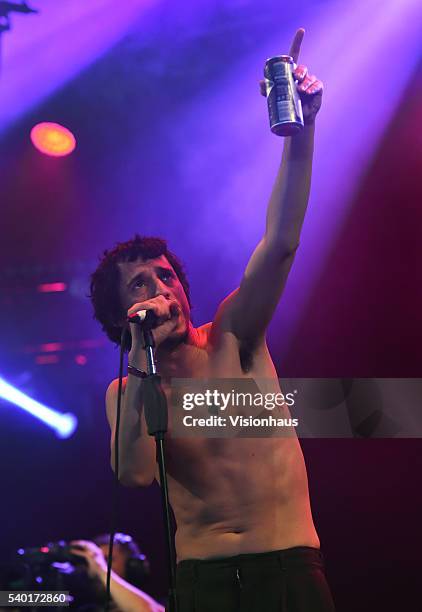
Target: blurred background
(172,139)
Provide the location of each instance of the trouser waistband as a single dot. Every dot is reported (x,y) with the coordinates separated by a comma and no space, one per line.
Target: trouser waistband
(297,556)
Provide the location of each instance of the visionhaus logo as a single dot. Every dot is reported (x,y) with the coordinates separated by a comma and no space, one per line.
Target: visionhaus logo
(302,407)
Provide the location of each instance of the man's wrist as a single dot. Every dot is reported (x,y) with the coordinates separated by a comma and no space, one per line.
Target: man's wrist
(137,358)
(134,371)
(300,146)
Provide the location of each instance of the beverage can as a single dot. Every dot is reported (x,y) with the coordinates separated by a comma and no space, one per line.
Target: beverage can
(284,105)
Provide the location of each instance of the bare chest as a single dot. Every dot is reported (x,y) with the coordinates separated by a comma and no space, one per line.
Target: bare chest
(209,467)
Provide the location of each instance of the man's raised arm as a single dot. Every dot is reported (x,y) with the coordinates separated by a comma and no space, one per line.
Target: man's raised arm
(248,310)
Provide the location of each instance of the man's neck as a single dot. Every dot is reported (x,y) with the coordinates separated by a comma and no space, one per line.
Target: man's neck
(175,359)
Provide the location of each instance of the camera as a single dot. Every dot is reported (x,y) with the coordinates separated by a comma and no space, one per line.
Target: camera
(53,552)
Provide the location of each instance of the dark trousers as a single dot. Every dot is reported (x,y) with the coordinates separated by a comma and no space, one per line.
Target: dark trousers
(290,580)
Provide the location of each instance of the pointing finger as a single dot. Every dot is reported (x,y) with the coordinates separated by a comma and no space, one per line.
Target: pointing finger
(295,46)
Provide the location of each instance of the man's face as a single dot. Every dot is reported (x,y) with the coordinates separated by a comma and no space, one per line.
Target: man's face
(143,280)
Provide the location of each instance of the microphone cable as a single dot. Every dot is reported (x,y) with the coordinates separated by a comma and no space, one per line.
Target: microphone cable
(115,496)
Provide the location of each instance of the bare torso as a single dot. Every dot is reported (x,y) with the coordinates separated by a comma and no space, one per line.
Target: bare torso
(233,496)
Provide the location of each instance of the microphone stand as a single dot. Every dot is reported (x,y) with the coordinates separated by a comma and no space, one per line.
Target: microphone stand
(156,417)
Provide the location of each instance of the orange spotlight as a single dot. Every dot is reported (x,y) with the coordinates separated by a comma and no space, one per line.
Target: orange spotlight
(53,139)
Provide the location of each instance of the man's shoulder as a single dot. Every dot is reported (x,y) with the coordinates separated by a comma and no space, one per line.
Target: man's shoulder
(113,387)
(204,332)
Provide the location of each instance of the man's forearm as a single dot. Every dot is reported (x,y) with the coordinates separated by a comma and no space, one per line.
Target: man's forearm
(290,194)
(137,447)
(127,597)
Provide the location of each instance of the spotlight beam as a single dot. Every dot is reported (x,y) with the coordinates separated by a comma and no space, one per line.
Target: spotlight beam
(64,425)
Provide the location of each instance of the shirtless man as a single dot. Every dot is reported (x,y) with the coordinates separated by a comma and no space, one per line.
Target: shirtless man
(245,537)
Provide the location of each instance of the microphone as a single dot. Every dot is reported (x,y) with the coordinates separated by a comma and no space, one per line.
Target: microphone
(147,319)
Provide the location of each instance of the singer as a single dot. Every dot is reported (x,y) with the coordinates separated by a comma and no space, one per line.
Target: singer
(245,535)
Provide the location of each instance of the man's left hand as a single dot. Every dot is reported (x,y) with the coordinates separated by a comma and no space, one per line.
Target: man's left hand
(310,88)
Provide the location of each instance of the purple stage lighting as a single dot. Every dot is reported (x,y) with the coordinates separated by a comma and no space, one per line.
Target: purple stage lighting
(40,56)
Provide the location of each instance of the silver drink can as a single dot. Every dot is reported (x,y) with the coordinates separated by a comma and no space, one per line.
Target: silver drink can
(284,105)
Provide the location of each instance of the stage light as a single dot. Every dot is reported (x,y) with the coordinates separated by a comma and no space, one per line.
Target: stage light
(63,424)
(51,347)
(51,287)
(53,139)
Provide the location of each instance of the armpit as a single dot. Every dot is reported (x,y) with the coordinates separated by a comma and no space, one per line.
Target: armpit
(246,357)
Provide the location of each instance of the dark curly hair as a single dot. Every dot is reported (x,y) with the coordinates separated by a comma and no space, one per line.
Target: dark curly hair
(104,295)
